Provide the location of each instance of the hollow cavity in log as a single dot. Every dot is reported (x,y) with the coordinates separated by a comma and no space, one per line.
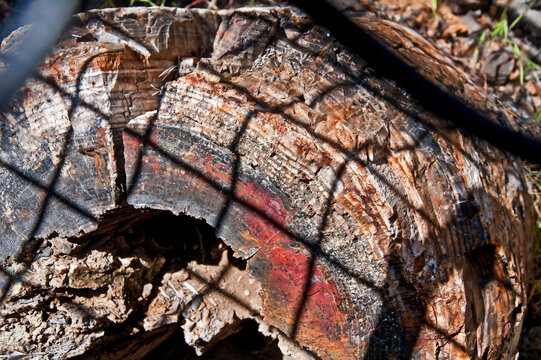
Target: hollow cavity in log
(121,291)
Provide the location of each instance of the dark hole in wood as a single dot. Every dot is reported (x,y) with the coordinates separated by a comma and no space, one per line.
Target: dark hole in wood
(247,343)
(180,239)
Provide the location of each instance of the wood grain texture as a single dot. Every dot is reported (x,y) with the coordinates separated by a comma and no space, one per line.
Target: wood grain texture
(373,229)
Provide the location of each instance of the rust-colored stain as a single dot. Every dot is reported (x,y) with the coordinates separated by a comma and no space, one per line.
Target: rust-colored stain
(271,205)
(282,266)
(73,68)
(58,75)
(216,170)
(131,145)
(281,263)
(321,321)
(99,160)
(107,62)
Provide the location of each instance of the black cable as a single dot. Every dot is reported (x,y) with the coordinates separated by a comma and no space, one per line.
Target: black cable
(429,95)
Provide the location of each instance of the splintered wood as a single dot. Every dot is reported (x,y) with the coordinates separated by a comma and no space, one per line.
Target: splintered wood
(368,228)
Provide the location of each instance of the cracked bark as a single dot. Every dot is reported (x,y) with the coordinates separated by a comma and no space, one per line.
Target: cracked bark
(368,228)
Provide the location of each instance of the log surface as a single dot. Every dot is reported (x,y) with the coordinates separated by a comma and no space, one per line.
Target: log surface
(370,229)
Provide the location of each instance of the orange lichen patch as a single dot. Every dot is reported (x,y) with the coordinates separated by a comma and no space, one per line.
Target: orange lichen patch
(73,67)
(107,61)
(226,108)
(59,77)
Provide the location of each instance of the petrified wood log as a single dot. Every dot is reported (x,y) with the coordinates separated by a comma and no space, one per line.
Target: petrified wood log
(368,228)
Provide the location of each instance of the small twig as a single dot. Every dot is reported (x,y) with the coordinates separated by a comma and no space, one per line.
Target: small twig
(177,293)
(162,291)
(193,3)
(167,71)
(189,286)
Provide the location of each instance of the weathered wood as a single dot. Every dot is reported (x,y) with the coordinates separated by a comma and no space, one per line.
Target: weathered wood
(370,229)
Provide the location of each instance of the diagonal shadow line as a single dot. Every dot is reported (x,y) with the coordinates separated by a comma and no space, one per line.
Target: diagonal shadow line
(43,206)
(447,337)
(39,184)
(402,340)
(134,318)
(14,276)
(20,279)
(346,152)
(213,286)
(432,96)
(75,101)
(424,214)
(139,161)
(323,138)
(209,287)
(200,175)
(279,109)
(309,245)
(310,270)
(230,192)
(52,83)
(401,101)
(120,184)
(238,135)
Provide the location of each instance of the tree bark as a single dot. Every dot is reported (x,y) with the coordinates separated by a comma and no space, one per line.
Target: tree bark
(361,225)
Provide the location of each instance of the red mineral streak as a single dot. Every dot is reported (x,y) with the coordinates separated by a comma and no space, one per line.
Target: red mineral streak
(285,266)
(216,170)
(284,284)
(283,287)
